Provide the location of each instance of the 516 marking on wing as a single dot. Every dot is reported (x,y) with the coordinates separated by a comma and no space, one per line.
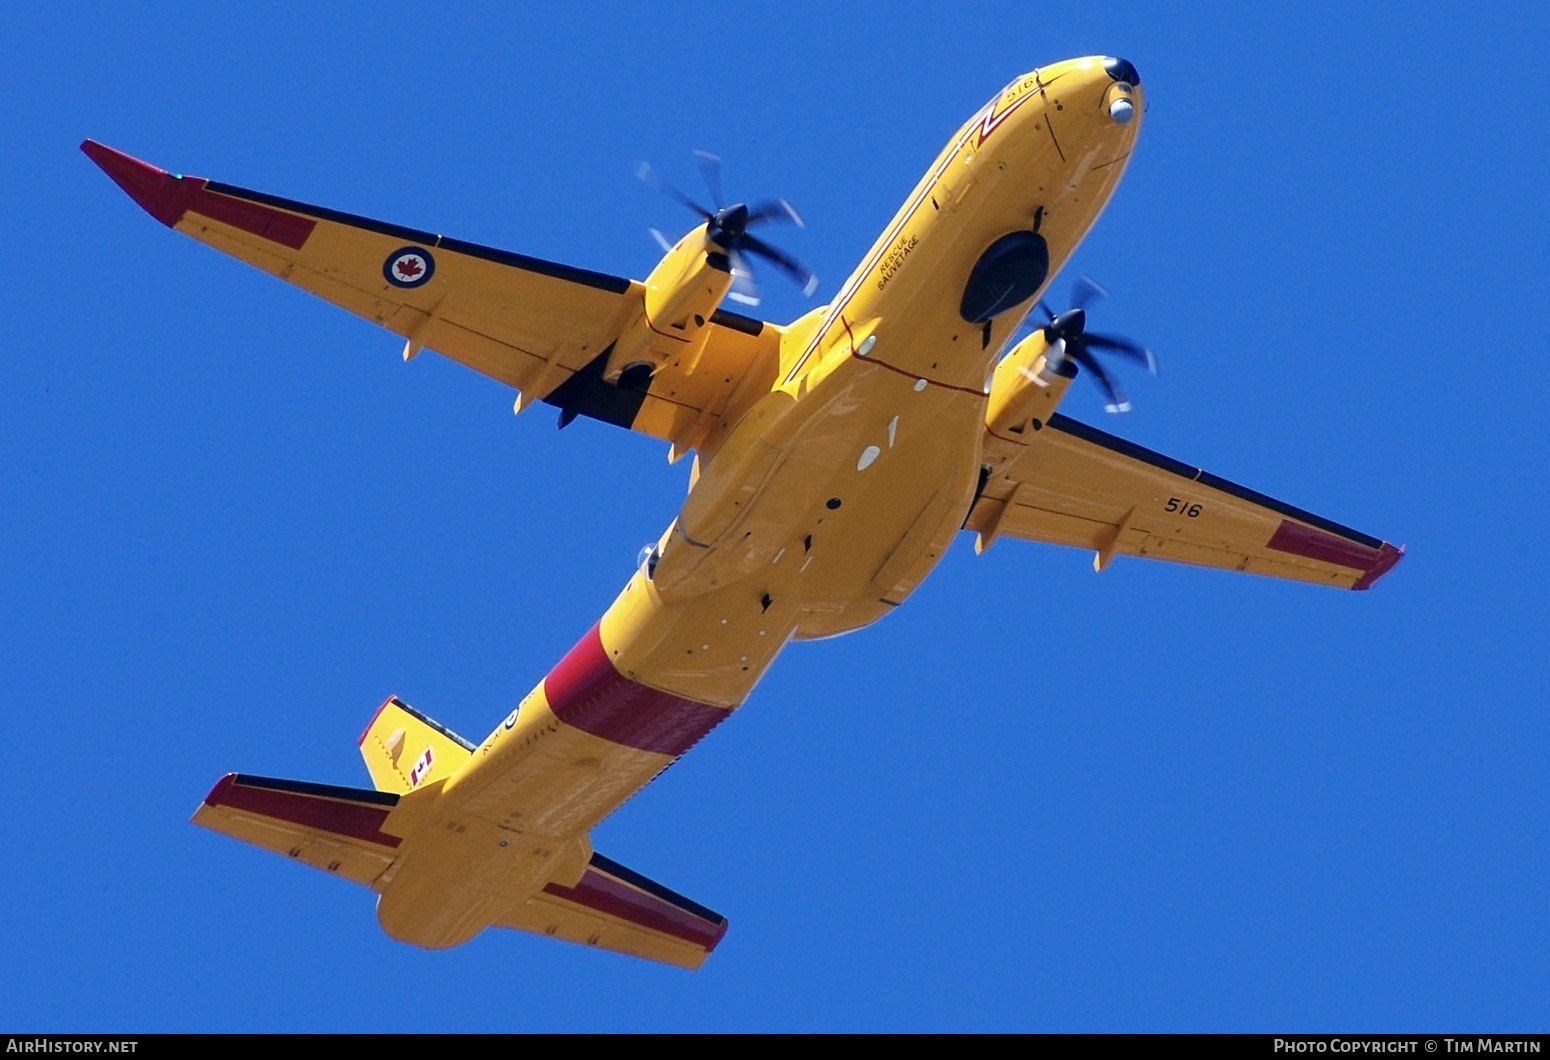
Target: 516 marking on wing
(1176,505)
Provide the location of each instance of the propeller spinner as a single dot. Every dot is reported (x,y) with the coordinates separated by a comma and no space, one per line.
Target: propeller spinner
(1069,339)
(728,228)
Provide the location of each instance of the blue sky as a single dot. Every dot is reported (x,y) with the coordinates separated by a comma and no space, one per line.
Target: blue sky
(232,522)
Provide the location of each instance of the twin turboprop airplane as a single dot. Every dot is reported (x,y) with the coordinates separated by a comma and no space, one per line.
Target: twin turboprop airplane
(836,457)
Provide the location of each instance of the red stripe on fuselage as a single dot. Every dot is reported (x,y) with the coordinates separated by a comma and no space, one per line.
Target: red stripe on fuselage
(585,691)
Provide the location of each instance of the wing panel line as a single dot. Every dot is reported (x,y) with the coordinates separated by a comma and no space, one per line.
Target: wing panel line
(586,277)
(1080,430)
(655,889)
(355,813)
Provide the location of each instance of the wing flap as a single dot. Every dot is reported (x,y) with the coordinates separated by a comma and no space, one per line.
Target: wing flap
(1071,484)
(338,830)
(615,908)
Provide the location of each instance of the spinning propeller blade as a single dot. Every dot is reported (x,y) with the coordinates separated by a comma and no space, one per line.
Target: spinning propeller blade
(783,261)
(1133,351)
(744,289)
(1082,346)
(1087,291)
(651,178)
(710,169)
(728,227)
(777,211)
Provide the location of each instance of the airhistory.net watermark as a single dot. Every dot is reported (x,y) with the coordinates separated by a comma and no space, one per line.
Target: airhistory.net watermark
(69,1045)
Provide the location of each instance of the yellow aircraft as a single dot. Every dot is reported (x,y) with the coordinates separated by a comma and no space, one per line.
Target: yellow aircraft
(835,459)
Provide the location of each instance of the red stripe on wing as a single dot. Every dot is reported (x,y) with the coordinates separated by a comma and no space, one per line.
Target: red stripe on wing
(339,816)
(605,894)
(1299,540)
(1388,557)
(167,198)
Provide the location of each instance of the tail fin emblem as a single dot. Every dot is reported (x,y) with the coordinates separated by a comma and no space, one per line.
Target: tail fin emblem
(421,768)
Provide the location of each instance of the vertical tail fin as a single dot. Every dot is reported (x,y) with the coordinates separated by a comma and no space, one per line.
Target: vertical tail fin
(404,749)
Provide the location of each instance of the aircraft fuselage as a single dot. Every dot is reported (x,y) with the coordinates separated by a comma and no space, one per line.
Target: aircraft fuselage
(822,509)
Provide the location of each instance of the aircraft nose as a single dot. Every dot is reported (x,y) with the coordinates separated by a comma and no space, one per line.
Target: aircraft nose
(1122,70)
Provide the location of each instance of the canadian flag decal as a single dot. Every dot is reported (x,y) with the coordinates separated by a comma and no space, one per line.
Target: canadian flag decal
(421,768)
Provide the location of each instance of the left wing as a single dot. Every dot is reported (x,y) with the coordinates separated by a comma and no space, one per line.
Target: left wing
(539,326)
(1071,484)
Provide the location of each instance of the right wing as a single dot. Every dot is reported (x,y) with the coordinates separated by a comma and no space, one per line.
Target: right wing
(1070,484)
(539,326)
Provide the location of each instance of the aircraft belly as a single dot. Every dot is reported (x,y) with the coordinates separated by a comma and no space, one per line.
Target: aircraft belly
(879,474)
(902,465)
(871,487)
(565,784)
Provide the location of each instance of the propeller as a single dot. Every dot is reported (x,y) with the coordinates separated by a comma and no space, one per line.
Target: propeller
(1069,339)
(728,227)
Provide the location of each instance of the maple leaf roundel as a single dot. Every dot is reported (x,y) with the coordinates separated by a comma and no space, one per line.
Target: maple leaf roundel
(409,267)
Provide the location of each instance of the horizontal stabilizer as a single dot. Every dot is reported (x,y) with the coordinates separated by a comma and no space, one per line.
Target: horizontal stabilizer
(614,908)
(338,830)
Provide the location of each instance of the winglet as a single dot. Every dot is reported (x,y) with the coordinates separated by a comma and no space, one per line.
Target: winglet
(1387,559)
(168,196)
(165,196)
(1347,548)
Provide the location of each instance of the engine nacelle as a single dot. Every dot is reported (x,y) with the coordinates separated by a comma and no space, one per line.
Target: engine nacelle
(682,292)
(1027,386)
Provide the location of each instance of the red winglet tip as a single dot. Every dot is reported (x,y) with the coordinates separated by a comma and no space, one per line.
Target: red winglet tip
(161,194)
(389,701)
(1388,559)
(222,786)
